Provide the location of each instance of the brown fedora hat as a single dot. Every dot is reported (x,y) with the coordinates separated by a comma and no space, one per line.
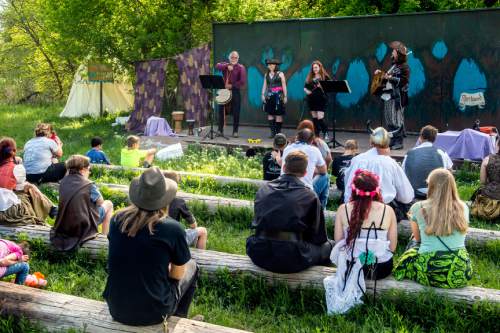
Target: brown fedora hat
(152,191)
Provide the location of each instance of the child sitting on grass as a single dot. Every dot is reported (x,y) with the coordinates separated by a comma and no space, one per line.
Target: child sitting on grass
(195,236)
(96,155)
(13,260)
(131,155)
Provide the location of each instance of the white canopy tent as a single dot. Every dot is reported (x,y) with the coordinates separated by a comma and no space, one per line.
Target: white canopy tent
(84,97)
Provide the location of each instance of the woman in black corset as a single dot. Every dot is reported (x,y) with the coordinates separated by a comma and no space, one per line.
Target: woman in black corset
(274,96)
(316,97)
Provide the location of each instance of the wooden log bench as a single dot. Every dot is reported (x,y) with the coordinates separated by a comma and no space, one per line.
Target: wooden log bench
(212,261)
(219,179)
(59,312)
(474,235)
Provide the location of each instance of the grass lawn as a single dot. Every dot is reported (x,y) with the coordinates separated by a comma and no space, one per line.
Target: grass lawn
(242,301)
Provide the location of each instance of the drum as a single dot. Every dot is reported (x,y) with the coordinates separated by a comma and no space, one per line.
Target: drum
(223,96)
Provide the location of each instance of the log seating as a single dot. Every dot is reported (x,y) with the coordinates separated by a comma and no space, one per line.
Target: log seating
(57,311)
(211,261)
(474,235)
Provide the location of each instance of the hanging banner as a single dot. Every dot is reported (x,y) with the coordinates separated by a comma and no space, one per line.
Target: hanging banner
(149,93)
(191,65)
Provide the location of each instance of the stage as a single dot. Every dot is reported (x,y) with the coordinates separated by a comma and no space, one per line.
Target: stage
(262,133)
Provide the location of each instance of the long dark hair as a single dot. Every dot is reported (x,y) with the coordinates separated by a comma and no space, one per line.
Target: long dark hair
(365,190)
(7,149)
(322,72)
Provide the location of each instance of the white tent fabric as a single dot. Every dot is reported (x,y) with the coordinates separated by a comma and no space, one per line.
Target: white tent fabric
(83,98)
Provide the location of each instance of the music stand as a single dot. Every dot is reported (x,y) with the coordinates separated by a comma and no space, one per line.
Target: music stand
(334,87)
(211,83)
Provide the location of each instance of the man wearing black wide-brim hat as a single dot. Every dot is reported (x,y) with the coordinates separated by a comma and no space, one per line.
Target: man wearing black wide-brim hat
(395,92)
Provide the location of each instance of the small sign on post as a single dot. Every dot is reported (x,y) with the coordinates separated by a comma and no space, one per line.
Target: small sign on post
(100,73)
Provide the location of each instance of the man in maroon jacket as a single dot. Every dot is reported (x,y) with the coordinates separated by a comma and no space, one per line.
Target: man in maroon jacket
(235,76)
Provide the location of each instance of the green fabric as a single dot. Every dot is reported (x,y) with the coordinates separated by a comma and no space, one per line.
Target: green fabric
(442,269)
(430,243)
(132,157)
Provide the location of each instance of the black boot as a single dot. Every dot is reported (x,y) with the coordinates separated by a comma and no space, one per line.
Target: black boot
(272,126)
(316,126)
(323,127)
(278,127)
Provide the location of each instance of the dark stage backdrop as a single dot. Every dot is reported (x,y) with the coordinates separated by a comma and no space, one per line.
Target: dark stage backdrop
(454,65)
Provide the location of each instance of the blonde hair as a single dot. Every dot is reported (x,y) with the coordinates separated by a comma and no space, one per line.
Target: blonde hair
(76,163)
(175,176)
(380,138)
(42,129)
(132,219)
(443,211)
(351,145)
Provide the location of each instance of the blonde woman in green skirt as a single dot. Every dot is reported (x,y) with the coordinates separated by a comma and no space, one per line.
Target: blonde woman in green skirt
(439,225)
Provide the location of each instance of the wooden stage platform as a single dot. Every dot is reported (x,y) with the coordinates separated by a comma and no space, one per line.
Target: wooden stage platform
(246,132)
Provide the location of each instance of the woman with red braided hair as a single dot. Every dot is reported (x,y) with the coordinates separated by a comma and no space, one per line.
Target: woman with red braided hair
(365,239)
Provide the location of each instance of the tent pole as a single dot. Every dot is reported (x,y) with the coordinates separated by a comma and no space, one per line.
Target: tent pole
(100,98)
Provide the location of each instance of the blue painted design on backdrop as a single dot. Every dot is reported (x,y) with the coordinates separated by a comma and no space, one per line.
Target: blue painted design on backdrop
(286,60)
(468,79)
(267,54)
(417,75)
(335,66)
(380,52)
(439,50)
(295,85)
(358,79)
(254,81)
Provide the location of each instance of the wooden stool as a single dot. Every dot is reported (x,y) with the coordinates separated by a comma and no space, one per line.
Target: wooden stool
(177,116)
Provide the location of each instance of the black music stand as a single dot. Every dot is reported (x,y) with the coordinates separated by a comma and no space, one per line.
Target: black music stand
(334,87)
(211,83)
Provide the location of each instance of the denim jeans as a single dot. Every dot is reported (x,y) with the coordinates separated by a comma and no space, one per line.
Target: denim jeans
(21,270)
(321,185)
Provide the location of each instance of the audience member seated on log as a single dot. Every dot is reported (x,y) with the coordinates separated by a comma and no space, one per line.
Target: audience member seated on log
(342,162)
(150,271)
(321,182)
(437,257)
(271,163)
(81,207)
(421,160)
(486,201)
(316,164)
(394,185)
(290,233)
(38,157)
(14,260)
(366,236)
(195,236)
(20,201)
(132,156)
(95,154)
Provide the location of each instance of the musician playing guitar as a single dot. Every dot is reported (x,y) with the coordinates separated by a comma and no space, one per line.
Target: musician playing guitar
(235,77)
(395,92)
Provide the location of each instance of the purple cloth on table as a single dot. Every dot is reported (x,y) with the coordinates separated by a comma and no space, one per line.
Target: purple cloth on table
(157,126)
(148,93)
(467,144)
(191,65)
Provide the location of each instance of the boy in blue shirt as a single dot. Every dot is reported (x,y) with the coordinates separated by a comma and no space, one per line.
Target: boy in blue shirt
(96,155)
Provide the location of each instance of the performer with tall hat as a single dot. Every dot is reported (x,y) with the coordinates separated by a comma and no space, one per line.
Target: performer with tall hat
(274,95)
(394,92)
(316,97)
(235,78)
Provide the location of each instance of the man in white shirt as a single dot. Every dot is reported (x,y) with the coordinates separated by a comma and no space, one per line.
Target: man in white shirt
(395,187)
(315,163)
(421,160)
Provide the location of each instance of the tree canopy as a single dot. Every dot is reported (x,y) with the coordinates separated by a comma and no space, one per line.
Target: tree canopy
(43,42)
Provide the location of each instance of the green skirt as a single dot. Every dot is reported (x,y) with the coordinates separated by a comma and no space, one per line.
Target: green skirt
(441,269)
